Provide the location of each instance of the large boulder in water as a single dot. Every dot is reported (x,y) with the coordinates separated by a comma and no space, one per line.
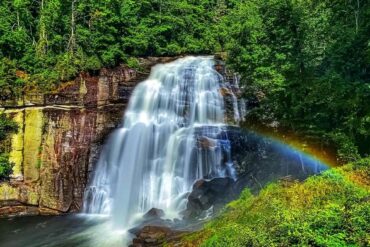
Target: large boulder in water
(153,213)
(207,194)
(154,217)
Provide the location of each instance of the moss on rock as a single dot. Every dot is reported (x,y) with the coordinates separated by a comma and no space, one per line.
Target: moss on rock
(34,122)
(16,149)
(8,192)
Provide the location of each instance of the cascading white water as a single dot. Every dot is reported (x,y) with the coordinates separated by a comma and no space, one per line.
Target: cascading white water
(172,135)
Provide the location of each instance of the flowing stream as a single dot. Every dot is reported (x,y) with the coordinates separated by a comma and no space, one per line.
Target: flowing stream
(153,160)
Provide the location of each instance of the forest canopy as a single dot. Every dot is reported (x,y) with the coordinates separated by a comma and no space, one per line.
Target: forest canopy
(305,62)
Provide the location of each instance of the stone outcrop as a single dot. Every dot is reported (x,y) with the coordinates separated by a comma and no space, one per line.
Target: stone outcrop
(61,134)
(156,236)
(59,139)
(256,161)
(209,194)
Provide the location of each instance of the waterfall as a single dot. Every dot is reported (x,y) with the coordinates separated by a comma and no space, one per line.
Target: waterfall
(173,134)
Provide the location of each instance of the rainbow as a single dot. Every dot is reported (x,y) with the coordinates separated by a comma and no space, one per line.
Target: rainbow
(291,144)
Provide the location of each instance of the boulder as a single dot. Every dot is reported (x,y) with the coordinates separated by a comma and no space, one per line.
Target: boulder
(155,236)
(153,213)
(154,218)
(207,194)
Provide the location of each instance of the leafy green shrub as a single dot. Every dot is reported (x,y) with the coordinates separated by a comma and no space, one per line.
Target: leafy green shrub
(5,167)
(10,85)
(331,209)
(346,149)
(133,63)
(7,126)
(92,63)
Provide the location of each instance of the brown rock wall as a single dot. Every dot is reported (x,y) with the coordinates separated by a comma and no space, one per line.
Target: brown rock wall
(59,140)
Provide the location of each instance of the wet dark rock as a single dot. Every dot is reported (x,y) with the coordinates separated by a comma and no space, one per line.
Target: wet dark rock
(154,218)
(258,160)
(155,236)
(154,213)
(209,193)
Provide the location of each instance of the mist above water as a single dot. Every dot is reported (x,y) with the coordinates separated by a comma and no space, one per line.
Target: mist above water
(174,132)
(157,155)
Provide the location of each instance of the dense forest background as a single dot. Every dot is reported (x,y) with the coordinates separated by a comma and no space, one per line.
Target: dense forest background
(305,64)
(304,67)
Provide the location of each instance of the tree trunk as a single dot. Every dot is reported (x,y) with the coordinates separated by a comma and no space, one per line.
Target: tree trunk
(72,39)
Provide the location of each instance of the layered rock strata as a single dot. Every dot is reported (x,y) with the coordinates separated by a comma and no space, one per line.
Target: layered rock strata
(59,139)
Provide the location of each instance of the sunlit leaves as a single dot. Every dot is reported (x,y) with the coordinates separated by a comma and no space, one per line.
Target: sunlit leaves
(327,210)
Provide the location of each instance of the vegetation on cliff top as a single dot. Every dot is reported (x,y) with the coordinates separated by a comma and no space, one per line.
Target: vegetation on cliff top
(53,40)
(306,63)
(331,209)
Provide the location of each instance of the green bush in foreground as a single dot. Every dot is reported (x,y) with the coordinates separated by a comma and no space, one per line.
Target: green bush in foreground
(332,209)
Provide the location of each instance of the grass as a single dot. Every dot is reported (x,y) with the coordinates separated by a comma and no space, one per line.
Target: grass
(331,209)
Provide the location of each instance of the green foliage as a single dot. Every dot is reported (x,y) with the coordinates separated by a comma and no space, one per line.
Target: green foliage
(51,41)
(346,149)
(5,167)
(10,85)
(133,63)
(7,126)
(331,209)
(307,63)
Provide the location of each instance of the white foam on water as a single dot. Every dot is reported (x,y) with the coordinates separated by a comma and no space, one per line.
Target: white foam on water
(154,159)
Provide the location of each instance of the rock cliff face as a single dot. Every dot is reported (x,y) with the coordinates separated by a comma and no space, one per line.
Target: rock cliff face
(59,139)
